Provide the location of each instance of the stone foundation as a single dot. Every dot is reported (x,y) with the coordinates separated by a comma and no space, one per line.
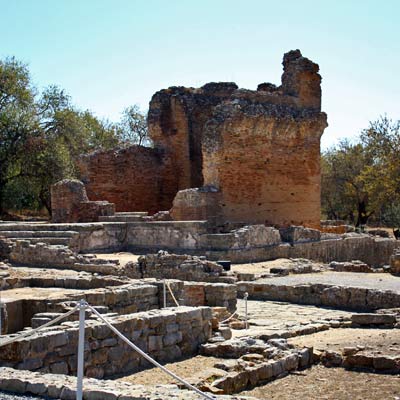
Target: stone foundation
(173,266)
(344,297)
(166,335)
(64,387)
(69,203)
(395,262)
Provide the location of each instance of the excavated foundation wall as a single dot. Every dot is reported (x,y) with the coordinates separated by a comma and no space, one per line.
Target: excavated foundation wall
(345,297)
(166,335)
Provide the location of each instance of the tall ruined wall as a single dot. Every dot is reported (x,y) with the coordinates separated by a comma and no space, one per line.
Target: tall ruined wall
(131,178)
(255,155)
(261,150)
(176,122)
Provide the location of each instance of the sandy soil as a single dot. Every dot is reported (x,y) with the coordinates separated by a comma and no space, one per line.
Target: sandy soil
(320,383)
(123,257)
(263,266)
(35,293)
(189,368)
(386,341)
(31,272)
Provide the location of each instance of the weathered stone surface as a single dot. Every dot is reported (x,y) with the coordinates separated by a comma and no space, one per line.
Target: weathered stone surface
(270,151)
(347,297)
(299,234)
(374,319)
(25,253)
(351,266)
(395,262)
(50,350)
(70,203)
(63,387)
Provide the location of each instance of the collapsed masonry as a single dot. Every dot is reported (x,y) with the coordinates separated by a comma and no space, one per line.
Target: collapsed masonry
(223,154)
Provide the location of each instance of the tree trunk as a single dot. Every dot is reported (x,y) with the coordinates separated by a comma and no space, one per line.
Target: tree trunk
(363,215)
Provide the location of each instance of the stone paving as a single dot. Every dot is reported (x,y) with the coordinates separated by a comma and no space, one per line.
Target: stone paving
(272,316)
(379,281)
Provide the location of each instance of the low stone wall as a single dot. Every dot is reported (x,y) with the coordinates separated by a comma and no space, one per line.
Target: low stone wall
(395,262)
(345,297)
(173,266)
(123,299)
(252,362)
(247,244)
(371,250)
(64,387)
(44,255)
(70,203)
(165,235)
(166,335)
(5,247)
(210,294)
(355,358)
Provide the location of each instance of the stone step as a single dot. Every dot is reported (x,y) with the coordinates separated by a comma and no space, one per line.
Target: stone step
(38,234)
(133,213)
(121,218)
(64,241)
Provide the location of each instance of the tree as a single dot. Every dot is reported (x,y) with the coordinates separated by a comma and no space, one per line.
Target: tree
(18,119)
(133,127)
(381,141)
(362,181)
(41,138)
(344,195)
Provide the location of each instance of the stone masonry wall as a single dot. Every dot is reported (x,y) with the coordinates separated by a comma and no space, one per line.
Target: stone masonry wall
(262,150)
(132,178)
(166,335)
(70,203)
(347,297)
(259,151)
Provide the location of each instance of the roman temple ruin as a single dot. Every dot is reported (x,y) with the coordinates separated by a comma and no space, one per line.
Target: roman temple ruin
(199,267)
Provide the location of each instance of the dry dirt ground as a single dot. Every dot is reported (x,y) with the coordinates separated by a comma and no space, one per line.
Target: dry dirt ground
(187,369)
(317,383)
(123,257)
(320,383)
(387,341)
(264,266)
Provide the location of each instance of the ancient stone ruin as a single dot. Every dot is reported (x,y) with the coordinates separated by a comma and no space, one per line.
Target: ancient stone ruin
(208,253)
(224,154)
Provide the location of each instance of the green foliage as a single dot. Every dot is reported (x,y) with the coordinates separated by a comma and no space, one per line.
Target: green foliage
(133,127)
(361,181)
(41,138)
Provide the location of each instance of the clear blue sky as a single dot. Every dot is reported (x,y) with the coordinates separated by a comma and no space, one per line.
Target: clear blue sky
(109,54)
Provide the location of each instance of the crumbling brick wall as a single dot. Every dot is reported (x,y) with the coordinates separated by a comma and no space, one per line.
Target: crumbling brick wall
(70,203)
(132,178)
(260,149)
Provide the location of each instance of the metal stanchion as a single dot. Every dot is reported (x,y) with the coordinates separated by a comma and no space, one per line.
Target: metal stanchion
(1,314)
(246,295)
(81,350)
(165,293)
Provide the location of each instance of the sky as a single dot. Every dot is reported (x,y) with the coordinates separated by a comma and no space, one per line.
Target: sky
(109,54)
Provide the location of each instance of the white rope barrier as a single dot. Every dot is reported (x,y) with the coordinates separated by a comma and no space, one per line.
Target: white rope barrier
(172,294)
(229,318)
(148,358)
(32,331)
(82,306)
